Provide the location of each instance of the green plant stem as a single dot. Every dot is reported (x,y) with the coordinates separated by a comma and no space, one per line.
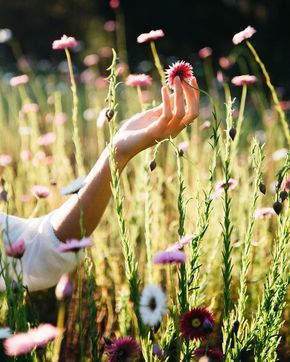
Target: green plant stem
(157,63)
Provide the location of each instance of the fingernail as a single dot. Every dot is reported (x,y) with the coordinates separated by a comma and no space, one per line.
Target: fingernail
(177,79)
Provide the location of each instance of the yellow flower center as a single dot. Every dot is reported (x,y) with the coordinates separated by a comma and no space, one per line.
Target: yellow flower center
(196,323)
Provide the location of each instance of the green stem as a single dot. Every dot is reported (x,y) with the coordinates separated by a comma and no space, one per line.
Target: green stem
(157,63)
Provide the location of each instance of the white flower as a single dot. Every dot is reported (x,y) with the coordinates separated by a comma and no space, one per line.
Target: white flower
(279,154)
(152,305)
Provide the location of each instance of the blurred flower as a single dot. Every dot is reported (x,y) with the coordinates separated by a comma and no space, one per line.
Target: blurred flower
(225,62)
(243,35)
(285,105)
(121,69)
(64,288)
(141,80)
(197,323)
(64,43)
(220,76)
(181,243)
(214,354)
(244,79)
(220,187)
(102,82)
(16,249)
(286,184)
(205,125)
(25,342)
(5,35)
(152,35)
(183,147)
(123,349)
(165,257)
(60,118)
(264,212)
(19,80)
(29,107)
(24,131)
(40,192)
(26,155)
(181,69)
(105,52)
(47,139)
(91,59)
(152,305)
(110,26)
(88,76)
(74,245)
(5,333)
(205,52)
(280,154)
(5,160)
(90,114)
(114,4)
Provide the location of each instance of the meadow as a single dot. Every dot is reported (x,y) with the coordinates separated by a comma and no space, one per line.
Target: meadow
(190,261)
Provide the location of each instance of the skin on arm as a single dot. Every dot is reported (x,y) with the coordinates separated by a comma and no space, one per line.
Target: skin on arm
(140,132)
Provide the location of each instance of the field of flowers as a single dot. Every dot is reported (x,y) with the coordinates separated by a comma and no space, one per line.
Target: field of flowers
(190,261)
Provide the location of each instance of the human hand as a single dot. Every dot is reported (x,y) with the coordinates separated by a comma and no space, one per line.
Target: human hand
(167,120)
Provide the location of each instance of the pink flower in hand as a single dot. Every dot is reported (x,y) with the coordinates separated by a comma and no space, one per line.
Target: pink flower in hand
(179,69)
(64,43)
(152,35)
(243,35)
(244,80)
(16,250)
(139,80)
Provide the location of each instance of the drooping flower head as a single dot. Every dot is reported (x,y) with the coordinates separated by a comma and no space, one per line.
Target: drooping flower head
(64,43)
(214,354)
(74,245)
(244,34)
(169,257)
(152,305)
(25,342)
(40,192)
(205,52)
(244,79)
(138,80)
(180,69)
(16,250)
(197,323)
(64,288)
(123,349)
(152,35)
(264,212)
(19,80)
(220,187)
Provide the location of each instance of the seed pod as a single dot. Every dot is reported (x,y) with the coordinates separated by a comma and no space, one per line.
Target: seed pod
(277,206)
(152,165)
(262,188)
(181,152)
(232,133)
(207,326)
(109,114)
(283,195)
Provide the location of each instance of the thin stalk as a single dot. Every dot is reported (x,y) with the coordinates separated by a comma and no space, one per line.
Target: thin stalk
(157,63)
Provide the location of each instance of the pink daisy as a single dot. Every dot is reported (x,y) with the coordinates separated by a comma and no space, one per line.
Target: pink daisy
(152,35)
(64,43)
(243,35)
(220,187)
(5,160)
(74,245)
(197,323)
(123,349)
(16,250)
(168,257)
(64,288)
(41,192)
(25,342)
(214,354)
(141,80)
(244,79)
(205,52)
(181,69)
(19,80)
(264,212)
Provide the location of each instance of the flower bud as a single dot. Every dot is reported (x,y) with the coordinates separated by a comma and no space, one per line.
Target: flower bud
(283,195)
(109,114)
(262,188)
(277,206)
(181,152)
(152,165)
(232,133)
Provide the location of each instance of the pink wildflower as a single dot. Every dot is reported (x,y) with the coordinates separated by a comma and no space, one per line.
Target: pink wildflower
(214,354)
(225,62)
(110,26)
(105,52)
(220,187)
(102,82)
(285,105)
(114,4)
(64,288)
(244,79)
(26,155)
(122,68)
(60,118)
(220,76)
(183,147)
(205,125)
(47,139)
(244,34)
(152,35)
(264,212)
(141,80)
(166,257)
(5,160)
(16,250)
(30,107)
(286,184)
(179,69)
(205,52)
(123,349)
(197,323)
(64,43)
(40,192)
(74,245)
(19,80)
(91,59)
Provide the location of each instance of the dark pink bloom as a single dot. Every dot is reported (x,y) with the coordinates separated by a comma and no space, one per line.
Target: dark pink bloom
(152,35)
(244,79)
(25,342)
(264,212)
(114,4)
(179,69)
(19,80)
(141,80)
(91,59)
(123,349)
(205,52)
(214,354)
(47,139)
(225,62)
(220,187)
(16,250)
(74,245)
(197,323)
(167,257)
(5,160)
(205,125)
(41,192)
(110,26)
(64,43)
(64,288)
(243,35)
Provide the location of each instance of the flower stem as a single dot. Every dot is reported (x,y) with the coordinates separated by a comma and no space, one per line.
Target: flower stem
(158,63)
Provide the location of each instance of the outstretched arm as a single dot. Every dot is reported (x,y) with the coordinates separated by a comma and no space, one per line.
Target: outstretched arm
(138,133)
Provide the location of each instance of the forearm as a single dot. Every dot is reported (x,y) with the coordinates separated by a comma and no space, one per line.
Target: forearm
(88,206)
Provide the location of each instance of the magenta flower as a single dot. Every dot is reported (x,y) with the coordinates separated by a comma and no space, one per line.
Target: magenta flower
(74,245)
(114,4)
(205,52)
(244,79)
(197,323)
(264,212)
(225,62)
(123,349)
(139,80)
(25,342)
(152,35)
(243,35)
(179,69)
(64,288)
(64,43)
(169,257)
(5,160)
(220,187)
(19,80)
(47,139)
(214,354)
(16,250)
(40,192)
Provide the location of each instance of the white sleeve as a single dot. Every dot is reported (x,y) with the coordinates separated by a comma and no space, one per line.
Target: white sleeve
(42,264)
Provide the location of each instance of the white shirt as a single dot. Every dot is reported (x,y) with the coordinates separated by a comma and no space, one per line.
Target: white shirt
(42,263)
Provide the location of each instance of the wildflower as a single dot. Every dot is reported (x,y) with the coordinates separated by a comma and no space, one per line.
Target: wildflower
(220,76)
(285,105)
(225,62)
(179,69)
(114,4)
(5,160)
(277,206)
(5,35)
(172,256)
(40,192)
(183,147)
(105,52)
(264,212)
(30,107)
(121,69)
(152,305)
(181,243)
(64,288)
(123,349)
(197,323)
(286,184)
(64,43)
(25,342)
(47,139)
(16,250)
(220,186)
(60,118)
(205,52)
(152,35)
(243,35)
(280,154)
(138,80)
(244,79)
(91,59)
(204,126)
(157,350)
(74,245)
(19,80)
(102,82)
(214,354)
(110,26)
